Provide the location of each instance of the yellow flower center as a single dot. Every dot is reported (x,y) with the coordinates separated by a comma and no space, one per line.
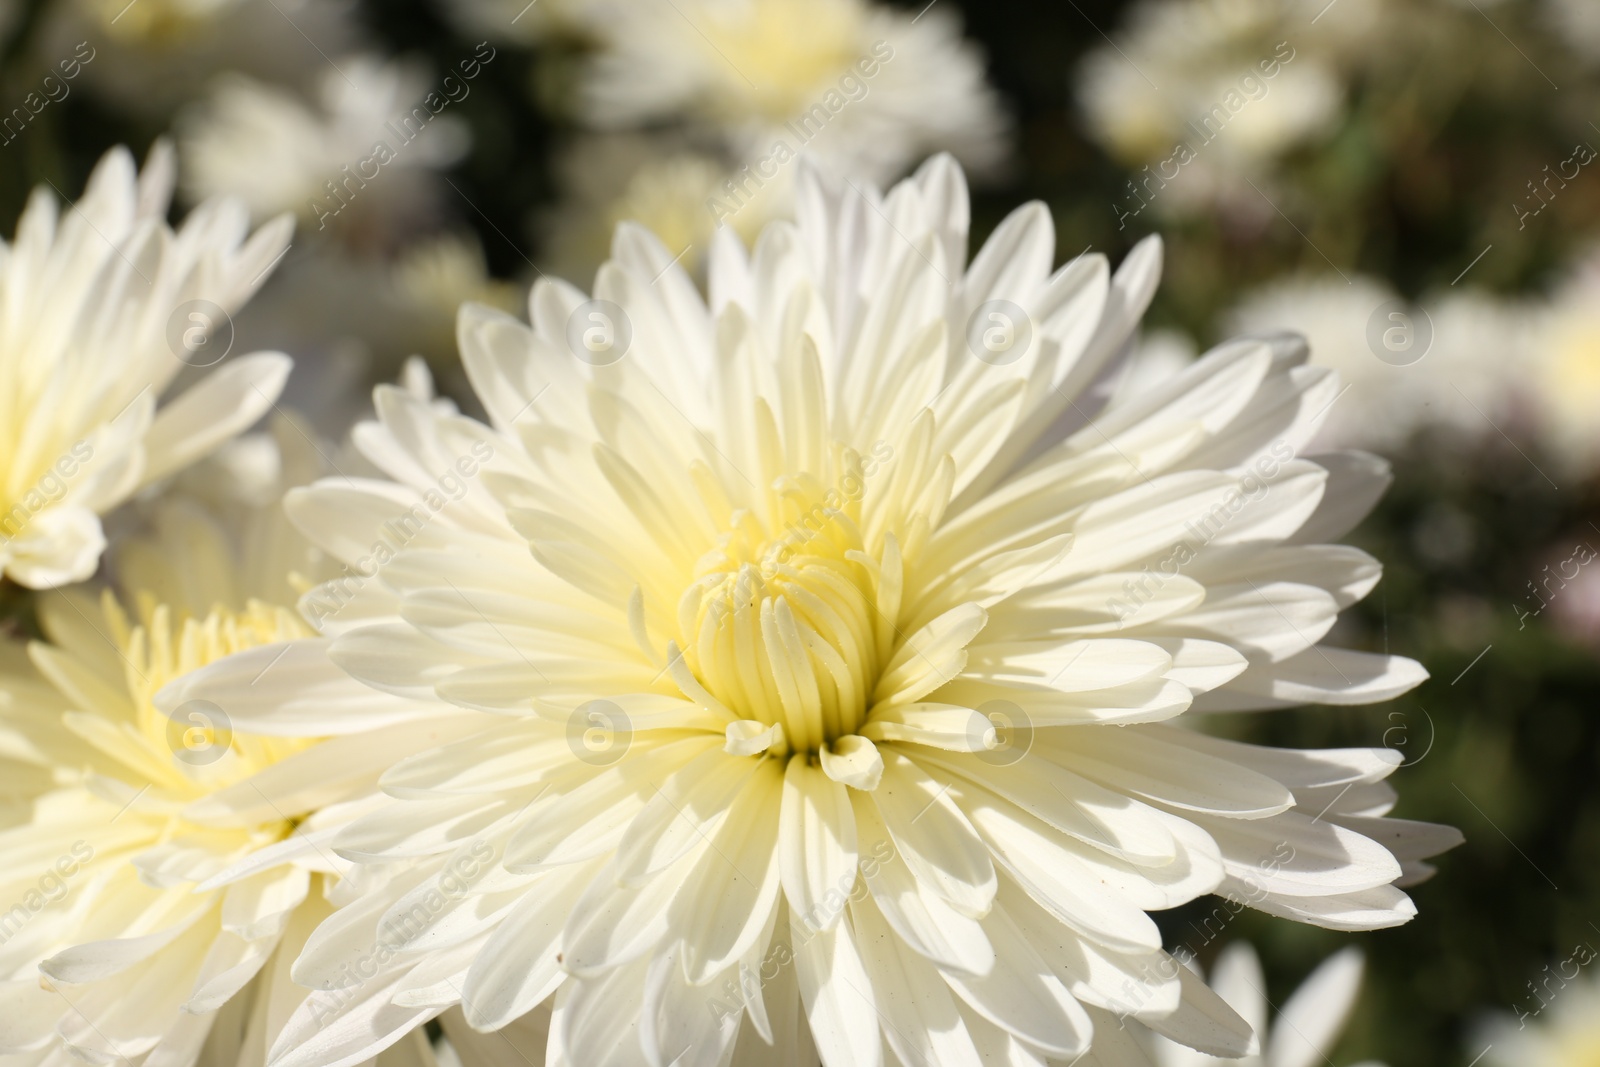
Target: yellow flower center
(1577,1045)
(165,645)
(156,22)
(778,56)
(1575,379)
(784,625)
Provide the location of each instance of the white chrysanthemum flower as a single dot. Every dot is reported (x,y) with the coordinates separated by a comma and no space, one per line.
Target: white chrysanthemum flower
(1438,362)
(183,860)
(1555,1022)
(1564,386)
(1577,22)
(863,90)
(1306,1029)
(104,304)
(1210,94)
(838,632)
(354,319)
(664,184)
(367,145)
(152,55)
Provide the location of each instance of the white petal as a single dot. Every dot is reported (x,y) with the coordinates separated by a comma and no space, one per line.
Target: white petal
(838,995)
(221,406)
(1313,1018)
(817,844)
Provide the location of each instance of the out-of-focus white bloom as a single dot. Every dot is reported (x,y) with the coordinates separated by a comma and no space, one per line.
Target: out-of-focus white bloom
(153,54)
(352,319)
(661,182)
(865,90)
(1360,329)
(359,155)
(103,306)
(799,554)
(1557,1024)
(1576,612)
(1577,22)
(1158,356)
(1305,1031)
(1564,363)
(1210,93)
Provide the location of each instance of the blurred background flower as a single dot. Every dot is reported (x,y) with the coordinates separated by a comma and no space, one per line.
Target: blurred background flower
(1305,1029)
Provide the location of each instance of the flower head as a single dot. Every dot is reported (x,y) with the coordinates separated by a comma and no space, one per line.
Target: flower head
(1438,362)
(1211,94)
(1564,384)
(105,305)
(840,637)
(862,89)
(364,146)
(153,55)
(1556,1021)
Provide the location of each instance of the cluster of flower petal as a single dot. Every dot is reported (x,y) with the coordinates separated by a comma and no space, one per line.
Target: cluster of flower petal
(101,307)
